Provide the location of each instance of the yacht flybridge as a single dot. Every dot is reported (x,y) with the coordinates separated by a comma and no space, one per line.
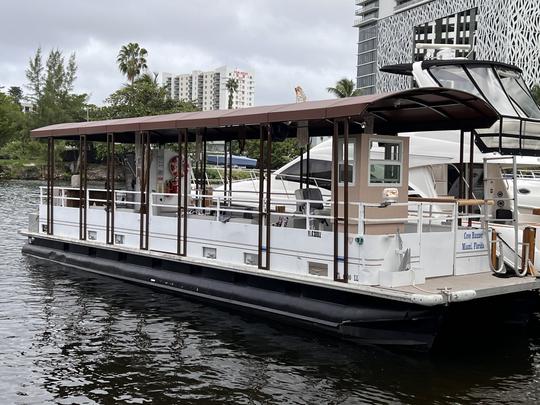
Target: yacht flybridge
(516,132)
(369,264)
(500,85)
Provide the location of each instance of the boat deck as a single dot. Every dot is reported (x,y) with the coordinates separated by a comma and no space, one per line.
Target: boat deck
(435,291)
(484,284)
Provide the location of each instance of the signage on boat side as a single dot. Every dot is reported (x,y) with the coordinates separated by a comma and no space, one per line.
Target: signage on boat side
(471,241)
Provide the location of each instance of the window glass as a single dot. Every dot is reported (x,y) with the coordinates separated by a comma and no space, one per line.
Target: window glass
(518,92)
(351,161)
(320,172)
(454,77)
(487,82)
(385,162)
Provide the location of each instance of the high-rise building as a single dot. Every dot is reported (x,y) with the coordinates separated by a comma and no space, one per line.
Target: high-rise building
(208,91)
(502,30)
(368,13)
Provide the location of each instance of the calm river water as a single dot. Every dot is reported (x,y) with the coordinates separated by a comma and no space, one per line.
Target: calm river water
(69,337)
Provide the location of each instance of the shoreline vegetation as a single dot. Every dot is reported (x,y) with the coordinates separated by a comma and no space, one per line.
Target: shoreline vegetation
(48,98)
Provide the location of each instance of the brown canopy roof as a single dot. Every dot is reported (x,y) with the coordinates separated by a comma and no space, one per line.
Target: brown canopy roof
(423,109)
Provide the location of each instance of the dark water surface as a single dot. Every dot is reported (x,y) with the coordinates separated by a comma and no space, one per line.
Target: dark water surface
(71,337)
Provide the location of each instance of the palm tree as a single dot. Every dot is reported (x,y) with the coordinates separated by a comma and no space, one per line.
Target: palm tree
(232,87)
(344,88)
(132,60)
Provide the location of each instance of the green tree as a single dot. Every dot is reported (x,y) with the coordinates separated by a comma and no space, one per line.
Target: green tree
(16,94)
(144,97)
(50,90)
(34,74)
(232,87)
(11,118)
(131,60)
(536,93)
(344,88)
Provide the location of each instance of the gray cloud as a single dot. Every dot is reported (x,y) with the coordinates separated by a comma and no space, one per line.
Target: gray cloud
(284,42)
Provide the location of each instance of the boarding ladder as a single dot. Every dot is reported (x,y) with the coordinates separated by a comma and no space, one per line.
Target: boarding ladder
(508,253)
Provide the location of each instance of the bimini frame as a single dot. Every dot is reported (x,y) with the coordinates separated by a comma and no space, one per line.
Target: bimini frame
(423,109)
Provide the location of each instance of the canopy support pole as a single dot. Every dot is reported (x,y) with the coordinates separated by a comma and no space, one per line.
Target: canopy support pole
(268,192)
(335,197)
(308,147)
(261,197)
(110,191)
(179,173)
(145,188)
(471,172)
(301,168)
(50,185)
(204,176)
(83,186)
(186,178)
(461,174)
(345,201)
(230,173)
(225,174)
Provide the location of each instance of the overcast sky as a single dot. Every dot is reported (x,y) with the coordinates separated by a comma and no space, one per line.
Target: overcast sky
(283,42)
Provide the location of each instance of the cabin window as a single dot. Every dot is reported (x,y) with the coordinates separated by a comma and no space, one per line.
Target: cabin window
(209,253)
(92,235)
(118,239)
(351,161)
(251,259)
(318,269)
(385,162)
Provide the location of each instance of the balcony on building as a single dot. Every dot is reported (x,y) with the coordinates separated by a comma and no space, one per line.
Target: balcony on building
(401,5)
(367,19)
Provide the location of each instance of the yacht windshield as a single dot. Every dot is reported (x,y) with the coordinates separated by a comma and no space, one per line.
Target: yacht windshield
(491,88)
(454,77)
(503,88)
(517,91)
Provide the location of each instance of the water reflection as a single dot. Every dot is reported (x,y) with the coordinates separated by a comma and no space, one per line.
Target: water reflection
(73,337)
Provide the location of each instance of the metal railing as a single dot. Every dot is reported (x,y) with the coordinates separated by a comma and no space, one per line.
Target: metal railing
(422,216)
